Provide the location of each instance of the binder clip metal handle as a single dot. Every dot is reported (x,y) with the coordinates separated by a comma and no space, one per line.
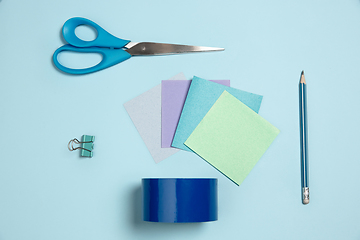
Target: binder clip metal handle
(86,145)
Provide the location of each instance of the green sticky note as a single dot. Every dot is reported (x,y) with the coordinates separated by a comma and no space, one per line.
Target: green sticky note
(232,137)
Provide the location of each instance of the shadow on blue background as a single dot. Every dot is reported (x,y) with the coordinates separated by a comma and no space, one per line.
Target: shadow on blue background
(142,227)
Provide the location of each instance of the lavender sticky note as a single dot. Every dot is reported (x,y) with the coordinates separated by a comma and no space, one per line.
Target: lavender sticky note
(201,97)
(145,112)
(173,95)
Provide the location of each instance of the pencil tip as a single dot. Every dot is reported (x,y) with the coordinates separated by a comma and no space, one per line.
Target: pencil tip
(302,78)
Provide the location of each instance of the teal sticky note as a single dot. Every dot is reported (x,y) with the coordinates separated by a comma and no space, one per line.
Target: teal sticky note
(232,137)
(201,97)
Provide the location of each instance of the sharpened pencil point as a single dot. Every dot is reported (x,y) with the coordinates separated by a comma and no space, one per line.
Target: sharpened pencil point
(302,78)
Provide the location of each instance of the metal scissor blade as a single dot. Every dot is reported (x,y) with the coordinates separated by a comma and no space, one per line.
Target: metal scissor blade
(150,48)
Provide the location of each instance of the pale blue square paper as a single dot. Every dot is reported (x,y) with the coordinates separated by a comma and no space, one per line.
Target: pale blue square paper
(201,97)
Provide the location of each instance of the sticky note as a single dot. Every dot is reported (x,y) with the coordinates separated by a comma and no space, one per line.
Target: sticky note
(232,137)
(201,97)
(145,113)
(173,95)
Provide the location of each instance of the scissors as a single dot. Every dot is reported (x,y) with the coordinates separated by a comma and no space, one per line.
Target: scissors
(113,50)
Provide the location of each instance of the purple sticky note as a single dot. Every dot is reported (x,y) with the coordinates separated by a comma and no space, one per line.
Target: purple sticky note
(173,96)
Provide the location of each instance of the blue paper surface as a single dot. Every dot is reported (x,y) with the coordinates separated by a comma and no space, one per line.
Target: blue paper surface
(49,193)
(201,97)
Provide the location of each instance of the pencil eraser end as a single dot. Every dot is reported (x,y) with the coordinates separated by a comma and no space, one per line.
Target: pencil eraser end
(306,201)
(305,195)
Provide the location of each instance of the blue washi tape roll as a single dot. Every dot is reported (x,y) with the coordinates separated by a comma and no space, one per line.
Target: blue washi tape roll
(178,200)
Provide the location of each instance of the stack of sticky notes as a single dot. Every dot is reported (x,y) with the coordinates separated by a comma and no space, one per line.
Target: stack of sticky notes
(219,123)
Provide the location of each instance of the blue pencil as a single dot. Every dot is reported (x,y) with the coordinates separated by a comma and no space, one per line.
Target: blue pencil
(303,141)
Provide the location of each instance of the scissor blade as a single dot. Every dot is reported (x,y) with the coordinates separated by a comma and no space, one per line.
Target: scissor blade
(150,48)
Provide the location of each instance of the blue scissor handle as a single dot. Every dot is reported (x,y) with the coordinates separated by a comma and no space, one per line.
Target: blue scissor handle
(110,58)
(103,39)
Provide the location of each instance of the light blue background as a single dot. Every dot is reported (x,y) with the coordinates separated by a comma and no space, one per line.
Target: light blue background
(48,192)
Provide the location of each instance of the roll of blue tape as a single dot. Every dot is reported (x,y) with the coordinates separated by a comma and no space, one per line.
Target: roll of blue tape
(178,200)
